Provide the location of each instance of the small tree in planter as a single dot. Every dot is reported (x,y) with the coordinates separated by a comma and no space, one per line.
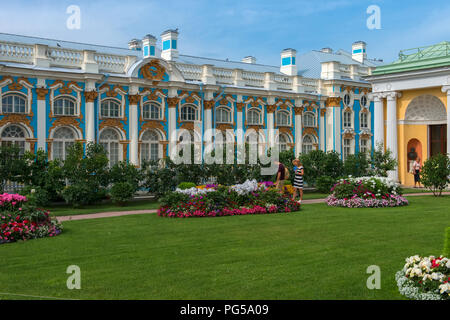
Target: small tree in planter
(435,173)
(382,161)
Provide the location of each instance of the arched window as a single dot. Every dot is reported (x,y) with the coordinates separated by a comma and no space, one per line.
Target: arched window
(283,141)
(110,109)
(363,145)
(14,103)
(150,146)
(308,144)
(109,139)
(347,148)
(309,119)
(63,139)
(282,118)
(64,106)
(188,113)
(364,120)
(152,111)
(14,135)
(347,119)
(223,115)
(253,117)
(363,101)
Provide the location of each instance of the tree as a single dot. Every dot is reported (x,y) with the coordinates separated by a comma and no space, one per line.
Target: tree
(318,163)
(12,165)
(356,165)
(382,161)
(435,173)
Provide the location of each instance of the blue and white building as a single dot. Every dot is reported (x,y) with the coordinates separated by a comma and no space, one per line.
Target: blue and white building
(134,100)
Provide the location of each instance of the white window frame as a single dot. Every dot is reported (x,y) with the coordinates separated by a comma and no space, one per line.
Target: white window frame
(344,122)
(18,94)
(288,115)
(227,109)
(351,147)
(18,141)
(311,115)
(109,143)
(308,145)
(149,105)
(64,141)
(189,105)
(111,100)
(256,110)
(149,144)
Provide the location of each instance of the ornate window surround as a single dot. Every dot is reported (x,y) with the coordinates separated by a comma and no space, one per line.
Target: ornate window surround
(228,109)
(69,86)
(21,82)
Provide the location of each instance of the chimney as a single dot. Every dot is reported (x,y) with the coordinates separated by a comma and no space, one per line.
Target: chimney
(326,50)
(249,59)
(149,46)
(134,44)
(359,51)
(288,63)
(169,40)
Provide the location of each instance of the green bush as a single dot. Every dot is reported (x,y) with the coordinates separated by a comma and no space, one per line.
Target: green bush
(186,185)
(124,171)
(325,183)
(356,165)
(12,165)
(447,243)
(435,173)
(79,194)
(318,163)
(37,196)
(382,161)
(172,199)
(122,192)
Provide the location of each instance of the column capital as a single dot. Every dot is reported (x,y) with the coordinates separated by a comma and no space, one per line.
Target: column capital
(298,110)
(134,98)
(271,108)
(209,104)
(90,96)
(41,93)
(393,95)
(240,106)
(446,89)
(173,102)
(333,102)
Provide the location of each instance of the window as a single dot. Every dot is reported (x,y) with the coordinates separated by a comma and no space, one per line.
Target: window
(347,99)
(63,139)
(110,109)
(283,141)
(14,135)
(253,117)
(186,136)
(64,107)
(282,118)
(13,103)
(188,113)
(364,121)
(363,101)
(109,139)
(347,148)
(308,143)
(223,115)
(150,146)
(152,111)
(347,119)
(309,119)
(363,145)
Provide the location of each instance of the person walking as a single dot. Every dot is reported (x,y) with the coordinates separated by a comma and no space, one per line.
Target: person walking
(417,167)
(298,179)
(281,176)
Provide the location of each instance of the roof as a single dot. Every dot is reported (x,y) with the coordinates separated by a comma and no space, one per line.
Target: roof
(309,64)
(433,56)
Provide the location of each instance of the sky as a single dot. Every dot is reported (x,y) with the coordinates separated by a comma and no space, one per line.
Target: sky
(234,29)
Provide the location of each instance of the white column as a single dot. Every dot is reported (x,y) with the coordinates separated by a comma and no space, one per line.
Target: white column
(447,89)
(133,118)
(41,93)
(330,129)
(337,129)
(172,103)
(378,120)
(90,96)
(391,130)
(239,120)
(208,105)
(322,115)
(270,125)
(298,130)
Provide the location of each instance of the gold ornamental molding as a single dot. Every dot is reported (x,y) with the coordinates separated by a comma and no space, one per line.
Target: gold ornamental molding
(271,108)
(285,130)
(309,131)
(298,110)
(152,124)
(255,127)
(49,148)
(16,119)
(209,104)
(365,110)
(151,95)
(348,135)
(187,125)
(365,136)
(41,93)
(32,142)
(333,102)
(240,106)
(134,99)
(224,126)
(153,71)
(90,96)
(348,109)
(111,122)
(66,121)
(173,102)
(323,112)
(189,98)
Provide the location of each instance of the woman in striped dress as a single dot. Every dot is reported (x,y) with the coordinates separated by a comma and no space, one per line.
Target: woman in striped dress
(298,179)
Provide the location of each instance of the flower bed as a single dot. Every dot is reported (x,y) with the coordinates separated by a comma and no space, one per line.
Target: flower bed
(366,192)
(18,221)
(425,278)
(250,197)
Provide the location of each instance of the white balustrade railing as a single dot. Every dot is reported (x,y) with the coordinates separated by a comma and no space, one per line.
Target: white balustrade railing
(224,76)
(65,57)
(13,52)
(190,72)
(111,63)
(253,79)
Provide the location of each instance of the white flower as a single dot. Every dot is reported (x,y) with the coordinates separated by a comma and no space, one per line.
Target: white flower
(444,288)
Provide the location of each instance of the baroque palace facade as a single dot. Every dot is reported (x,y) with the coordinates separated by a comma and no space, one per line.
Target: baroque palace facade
(135,100)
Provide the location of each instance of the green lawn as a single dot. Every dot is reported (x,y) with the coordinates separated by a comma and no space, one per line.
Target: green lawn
(67,210)
(317,253)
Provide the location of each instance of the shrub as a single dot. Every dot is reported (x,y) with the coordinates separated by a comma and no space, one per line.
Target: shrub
(124,171)
(12,165)
(318,163)
(122,192)
(36,195)
(186,185)
(325,183)
(435,173)
(382,161)
(447,242)
(356,165)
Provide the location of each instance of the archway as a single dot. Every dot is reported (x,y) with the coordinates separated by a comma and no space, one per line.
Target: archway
(413,150)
